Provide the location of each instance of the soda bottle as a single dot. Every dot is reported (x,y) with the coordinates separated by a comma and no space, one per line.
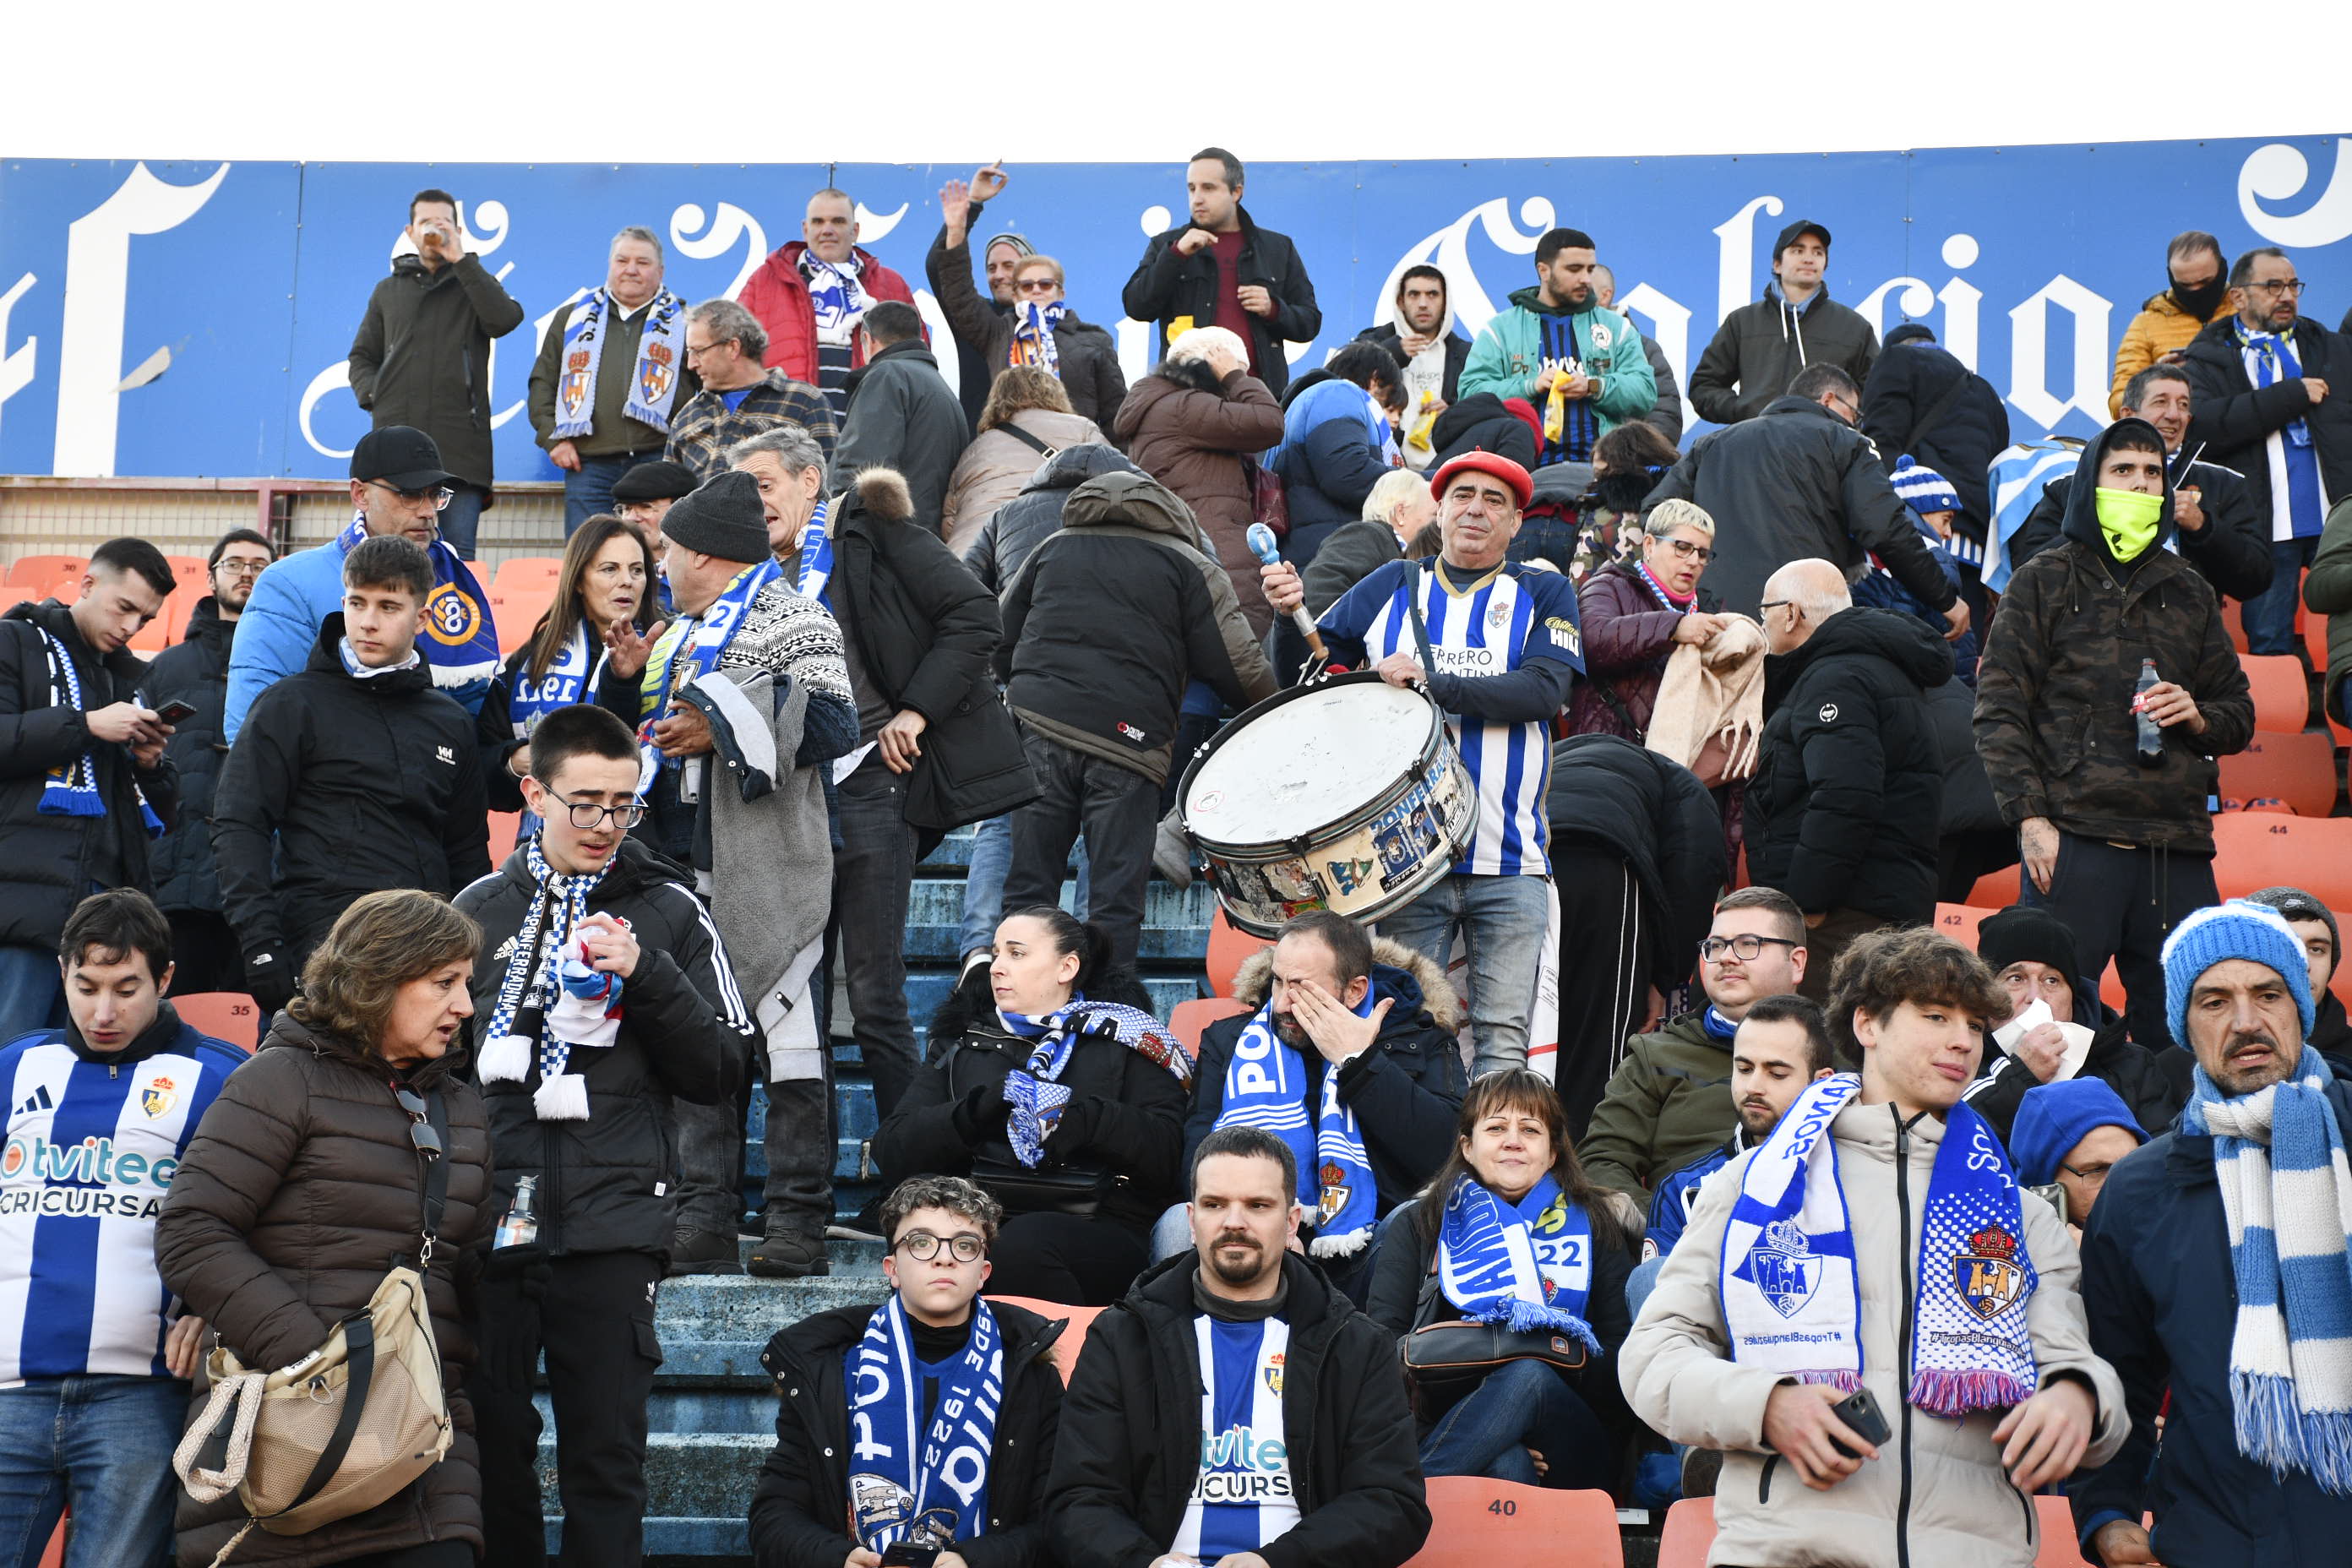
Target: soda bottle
(520,1225)
(2150,747)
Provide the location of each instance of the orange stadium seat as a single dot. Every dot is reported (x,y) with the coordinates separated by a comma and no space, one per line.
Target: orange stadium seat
(230,1015)
(516,614)
(2281,690)
(1476,1523)
(1997,891)
(527,574)
(2299,769)
(1959,922)
(1229,949)
(2263,850)
(2233,619)
(504,825)
(1690,1530)
(1192,1019)
(42,572)
(2058,1547)
(1074,1338)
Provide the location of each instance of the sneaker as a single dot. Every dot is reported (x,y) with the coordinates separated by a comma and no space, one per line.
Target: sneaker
(1171,852)
(1702,1468)
(704,1252)
(866,1225)
(789,1256)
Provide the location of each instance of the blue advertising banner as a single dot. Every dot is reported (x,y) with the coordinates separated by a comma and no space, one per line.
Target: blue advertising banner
(176,318)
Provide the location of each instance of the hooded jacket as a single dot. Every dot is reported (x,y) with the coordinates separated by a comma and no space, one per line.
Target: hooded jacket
(1849,786)
(52,858)
(1798,482)
(1328,459)
(1132,1431)
(1176,292)
(2235,419)
(682,1036)
(1507,357)
(1907,383)
(779,296)
(1761,346)
(300,1188)
(802,1503)
(1090,370)
(903,414)
(365,784)
(1109,618)
(1389,336)
(1669,1102)
(422,357)
(2054,689)
(1200,437)
(1936,1496)
(2232,551)
(193,671)
(2163,1310)
(1405,1090)
(1025,522)
(2153,1085)
(1611,794)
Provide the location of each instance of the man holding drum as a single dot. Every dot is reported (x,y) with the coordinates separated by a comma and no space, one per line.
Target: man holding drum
(1496,644)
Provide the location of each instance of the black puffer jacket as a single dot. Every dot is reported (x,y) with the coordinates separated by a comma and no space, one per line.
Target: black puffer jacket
(195,672)
(2054,689)
(1326,471)
(1849,784)
(1132,1431)
(2153,1084)
(1022,523)
(1612,795)
(1167,286)
(1483,422)
(684,1035)
(365,785)
(1125,1120)
(1907,383)
(51,858)
(2232,549)
(2234,419)
(1968,804)
(802,1498)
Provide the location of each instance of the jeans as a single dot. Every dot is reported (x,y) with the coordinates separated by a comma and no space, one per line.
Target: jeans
(1522,1405)
(2269,617)
(1502,920)
(1118,811)
(1641,1282)
(461,519)
(588,490)
(983,885)
(32,991)
(102,1444)
(873,873)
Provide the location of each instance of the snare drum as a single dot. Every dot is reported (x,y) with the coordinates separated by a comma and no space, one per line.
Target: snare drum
(1345,795)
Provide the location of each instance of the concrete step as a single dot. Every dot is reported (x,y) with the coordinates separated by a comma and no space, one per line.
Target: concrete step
(1175,919)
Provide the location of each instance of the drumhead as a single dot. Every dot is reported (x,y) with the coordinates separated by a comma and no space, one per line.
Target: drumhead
(1308,760)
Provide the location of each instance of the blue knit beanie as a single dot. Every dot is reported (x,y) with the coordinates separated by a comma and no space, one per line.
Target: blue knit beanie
(1924,489)
(2051,1117)
(2237,929)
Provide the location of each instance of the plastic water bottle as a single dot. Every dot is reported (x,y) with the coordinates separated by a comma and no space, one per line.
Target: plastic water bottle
(520,1225)
(2150,747)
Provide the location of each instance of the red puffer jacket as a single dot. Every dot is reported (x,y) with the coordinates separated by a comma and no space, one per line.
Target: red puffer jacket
(779,296)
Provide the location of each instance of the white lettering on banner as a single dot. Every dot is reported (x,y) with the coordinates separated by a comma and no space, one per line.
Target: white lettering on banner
(2028,348)
(98,289)
(1448,250)
(727,224)
(1917,301)
(336,378)
(2277,171)
(1735,273)
(1961,299)
(1669,323)
(17,367)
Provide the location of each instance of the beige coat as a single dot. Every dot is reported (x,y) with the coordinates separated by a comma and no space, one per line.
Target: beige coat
(997,464)
(1962,1512)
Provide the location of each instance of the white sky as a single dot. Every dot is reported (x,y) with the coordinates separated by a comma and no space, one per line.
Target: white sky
(1086,81)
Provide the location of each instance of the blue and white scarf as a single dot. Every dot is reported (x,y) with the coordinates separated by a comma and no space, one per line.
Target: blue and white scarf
(71,788)
(1032,336)
(1658,591)
(1526,1265)
(1035,1090)
(812,573)
(2270,359)
(580,1009)
(460,642)
(837,297)
(1791,1294)
(2278,1158)
(1267,1088)
(925,1483)
(568,680)
(691,647)
(652,381)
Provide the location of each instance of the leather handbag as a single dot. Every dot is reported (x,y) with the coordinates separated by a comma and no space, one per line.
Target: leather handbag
(1444,1361)
(1268,505)
(1058,1189)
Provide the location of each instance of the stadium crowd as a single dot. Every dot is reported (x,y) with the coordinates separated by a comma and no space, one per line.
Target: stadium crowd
(1717,1167)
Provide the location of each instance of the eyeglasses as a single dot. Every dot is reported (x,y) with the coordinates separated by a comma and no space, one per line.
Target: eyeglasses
(1849,412)
(588,817)
(441,496)
(922,1246)
(1038,286)
(1775,604)
(427,1141)
(1689,551)
(2095,1174)
(2290,287)
(1747,947)
(691,351)
(241,568)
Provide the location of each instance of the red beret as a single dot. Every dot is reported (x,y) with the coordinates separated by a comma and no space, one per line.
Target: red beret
(1485,462)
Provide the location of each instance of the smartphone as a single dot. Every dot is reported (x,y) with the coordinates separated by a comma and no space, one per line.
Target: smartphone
(902,1555)
(1862,1415)
(176,711)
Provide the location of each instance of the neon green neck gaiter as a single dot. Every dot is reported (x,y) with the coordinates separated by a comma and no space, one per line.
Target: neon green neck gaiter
(2128,520)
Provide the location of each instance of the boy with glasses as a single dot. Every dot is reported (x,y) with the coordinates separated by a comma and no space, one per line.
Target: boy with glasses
(399,489)
(606,997)
(924,1424)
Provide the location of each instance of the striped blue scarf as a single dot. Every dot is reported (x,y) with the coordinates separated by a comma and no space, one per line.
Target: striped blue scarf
(70,789)
(461,641)
(2278,1158)
(1525,1264)
(1035,1090)
(691,646)
(921,1481)
(2271,358)
(1267,1088)
(812,574)
(1032,336)
(576,1005)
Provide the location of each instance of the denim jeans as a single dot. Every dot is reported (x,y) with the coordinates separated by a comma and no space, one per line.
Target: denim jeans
(461,519)
(1642,1281)
(983,885)
(2269,617)
(1502,920)
(102,1444)
(588,490)
(1522,1405)
(32,991)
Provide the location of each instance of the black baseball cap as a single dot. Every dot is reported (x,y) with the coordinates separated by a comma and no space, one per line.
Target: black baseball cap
(659,480)
(402,457)
(1797,231)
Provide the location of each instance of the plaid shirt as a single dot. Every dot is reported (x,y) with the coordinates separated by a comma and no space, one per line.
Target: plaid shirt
(700,433)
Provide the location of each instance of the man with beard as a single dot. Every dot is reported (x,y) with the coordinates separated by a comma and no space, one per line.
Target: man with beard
(1433,350)
(1763,345)
(1302,1450)
(2195,293)
(1577,362)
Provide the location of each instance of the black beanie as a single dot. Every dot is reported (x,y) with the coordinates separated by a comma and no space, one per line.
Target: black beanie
(723,518)
(2020,934)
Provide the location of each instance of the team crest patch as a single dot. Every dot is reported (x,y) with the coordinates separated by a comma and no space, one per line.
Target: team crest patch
(1601,336)
(451,617)
(1784,1267)
(1829,712)
(1335,1194)
(876,1502)
(157,1098)
(655,373)
(1987,1274)
(1498,617)
(576,390)
(1274,1373)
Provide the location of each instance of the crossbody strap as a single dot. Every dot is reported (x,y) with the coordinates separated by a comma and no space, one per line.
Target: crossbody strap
(434,1192)
(358,1369)
(1024,436)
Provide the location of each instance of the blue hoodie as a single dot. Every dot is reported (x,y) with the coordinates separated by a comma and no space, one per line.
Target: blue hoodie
(2053,1117)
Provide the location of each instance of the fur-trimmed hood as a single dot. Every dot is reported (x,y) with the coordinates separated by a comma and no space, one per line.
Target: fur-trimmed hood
(882,494)
(1416,982)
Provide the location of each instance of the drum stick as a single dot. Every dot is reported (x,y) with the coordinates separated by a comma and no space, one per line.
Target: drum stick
(1261,543)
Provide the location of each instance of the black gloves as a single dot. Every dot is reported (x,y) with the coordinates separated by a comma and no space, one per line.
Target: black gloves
(271,980)
(980,1113)
(525,1266)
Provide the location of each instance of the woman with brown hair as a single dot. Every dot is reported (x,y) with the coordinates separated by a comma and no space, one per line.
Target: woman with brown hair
(308,1179)
(1026,422)
(1511,1232)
